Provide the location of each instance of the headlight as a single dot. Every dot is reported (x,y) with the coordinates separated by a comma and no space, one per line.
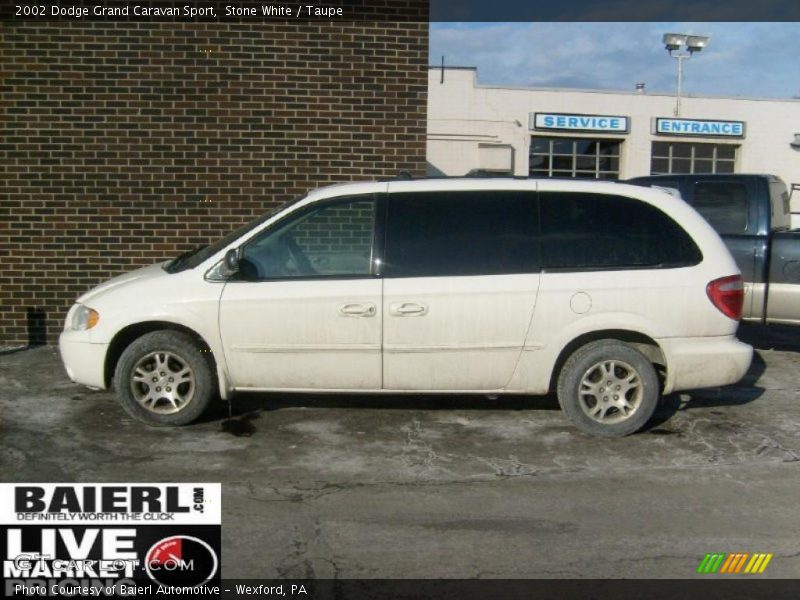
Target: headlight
(84,318)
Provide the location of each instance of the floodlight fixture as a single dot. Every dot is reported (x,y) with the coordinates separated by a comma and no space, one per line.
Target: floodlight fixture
(695,43)
(673,42)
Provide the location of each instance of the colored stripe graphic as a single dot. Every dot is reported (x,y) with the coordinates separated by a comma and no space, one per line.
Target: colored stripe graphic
(735,562)
(729,562)
(711,562)
(753,564)
(766,562)
(718,563)
(703,564)
(758,563)
(740,564)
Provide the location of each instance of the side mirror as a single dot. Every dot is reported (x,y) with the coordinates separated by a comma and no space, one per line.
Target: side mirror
(231,261)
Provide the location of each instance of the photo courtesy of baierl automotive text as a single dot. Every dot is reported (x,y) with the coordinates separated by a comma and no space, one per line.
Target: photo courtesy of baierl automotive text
(401,299)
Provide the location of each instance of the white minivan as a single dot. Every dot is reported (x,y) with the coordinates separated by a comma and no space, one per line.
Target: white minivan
(608,294)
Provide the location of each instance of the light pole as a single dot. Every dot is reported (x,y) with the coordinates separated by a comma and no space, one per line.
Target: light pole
(673,42)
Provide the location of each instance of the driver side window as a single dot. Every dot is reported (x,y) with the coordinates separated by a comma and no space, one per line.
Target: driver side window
(328,240)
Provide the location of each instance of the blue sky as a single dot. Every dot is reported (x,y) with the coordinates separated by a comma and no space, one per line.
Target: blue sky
(743,59)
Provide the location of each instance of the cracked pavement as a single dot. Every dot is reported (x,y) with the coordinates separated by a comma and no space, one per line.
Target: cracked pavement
(424,487)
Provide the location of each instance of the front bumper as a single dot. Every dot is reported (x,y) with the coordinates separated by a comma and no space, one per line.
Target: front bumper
(704,362)
(83,360)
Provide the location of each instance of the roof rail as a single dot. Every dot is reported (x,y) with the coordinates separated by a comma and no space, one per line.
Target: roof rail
(484,174)
(474,174)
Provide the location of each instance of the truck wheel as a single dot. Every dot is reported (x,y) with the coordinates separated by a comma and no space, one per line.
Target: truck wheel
(163,379)
(608,389)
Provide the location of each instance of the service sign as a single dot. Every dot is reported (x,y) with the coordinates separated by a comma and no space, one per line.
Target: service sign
(578,122)
(699,127)
(110,539)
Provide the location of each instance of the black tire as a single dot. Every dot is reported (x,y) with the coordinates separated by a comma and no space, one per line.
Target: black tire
(583,390)
(169,354)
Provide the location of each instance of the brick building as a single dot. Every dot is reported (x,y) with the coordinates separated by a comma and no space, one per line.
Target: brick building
(122,144)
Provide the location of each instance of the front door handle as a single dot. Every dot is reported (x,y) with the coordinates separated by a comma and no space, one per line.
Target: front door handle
(407,309)
(357,310)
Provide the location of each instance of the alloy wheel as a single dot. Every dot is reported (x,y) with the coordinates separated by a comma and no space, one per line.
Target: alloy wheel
(610,391)
(163,382)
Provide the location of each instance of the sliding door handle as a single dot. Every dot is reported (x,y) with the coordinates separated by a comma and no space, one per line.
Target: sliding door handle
(357,310)
(407,309)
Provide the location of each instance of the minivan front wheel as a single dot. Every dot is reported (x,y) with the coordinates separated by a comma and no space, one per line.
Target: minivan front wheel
(162,378)
(608,388)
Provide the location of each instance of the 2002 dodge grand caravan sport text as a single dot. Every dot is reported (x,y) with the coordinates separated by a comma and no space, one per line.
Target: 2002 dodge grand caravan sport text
(607,293)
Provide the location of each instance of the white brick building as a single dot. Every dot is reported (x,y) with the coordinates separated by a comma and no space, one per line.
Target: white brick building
(608,134)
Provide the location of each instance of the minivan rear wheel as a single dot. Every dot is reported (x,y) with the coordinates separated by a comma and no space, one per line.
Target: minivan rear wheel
(163,379)
(608,388)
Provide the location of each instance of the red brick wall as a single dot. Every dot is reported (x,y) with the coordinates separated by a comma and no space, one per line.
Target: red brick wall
(122,144)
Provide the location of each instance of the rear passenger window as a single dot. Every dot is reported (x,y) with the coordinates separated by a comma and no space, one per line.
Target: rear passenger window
(723,204)
(599,231)
(461,233)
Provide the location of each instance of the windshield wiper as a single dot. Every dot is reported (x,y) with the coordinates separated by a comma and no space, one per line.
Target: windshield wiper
(176,262)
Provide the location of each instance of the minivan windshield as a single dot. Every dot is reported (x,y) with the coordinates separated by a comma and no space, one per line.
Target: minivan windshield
(193,258)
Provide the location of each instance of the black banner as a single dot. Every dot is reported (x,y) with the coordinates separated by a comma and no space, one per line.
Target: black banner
(430,589)
(401,10)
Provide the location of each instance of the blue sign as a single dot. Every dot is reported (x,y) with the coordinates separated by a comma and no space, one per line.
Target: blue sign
(575,122)
(699,127)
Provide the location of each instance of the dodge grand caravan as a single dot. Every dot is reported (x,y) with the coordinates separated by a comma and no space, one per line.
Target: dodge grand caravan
(608,294)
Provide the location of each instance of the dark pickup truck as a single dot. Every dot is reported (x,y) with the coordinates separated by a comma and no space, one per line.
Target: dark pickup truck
(751,214)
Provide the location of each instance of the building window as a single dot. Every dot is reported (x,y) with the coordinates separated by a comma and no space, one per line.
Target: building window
(574,157)
(684,157)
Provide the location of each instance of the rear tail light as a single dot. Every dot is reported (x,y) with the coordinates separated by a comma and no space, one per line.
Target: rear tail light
(727,294)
